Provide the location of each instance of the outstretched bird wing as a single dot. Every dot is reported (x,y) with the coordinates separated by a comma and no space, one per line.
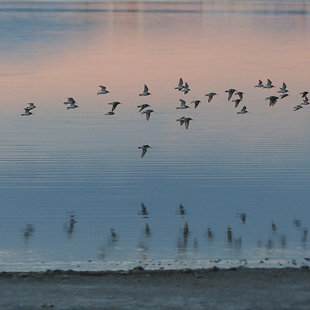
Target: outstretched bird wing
(144,150)
(237,101)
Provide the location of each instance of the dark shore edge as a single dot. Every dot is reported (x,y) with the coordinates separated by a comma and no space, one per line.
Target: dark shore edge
(141,271)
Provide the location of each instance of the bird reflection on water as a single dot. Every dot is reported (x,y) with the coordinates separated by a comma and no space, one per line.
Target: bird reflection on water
(188,242)
(304,236)
(229,235)
(209,234)
(143,211)
(182,210)
(283,242)
(243,217)
(106,249)
(28,231)
(147,230)
(70,225)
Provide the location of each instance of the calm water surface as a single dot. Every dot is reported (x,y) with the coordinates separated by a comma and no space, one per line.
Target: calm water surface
(72,182)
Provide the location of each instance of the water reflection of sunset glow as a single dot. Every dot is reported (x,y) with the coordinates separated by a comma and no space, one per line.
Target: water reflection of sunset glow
(158,48)
(76,177)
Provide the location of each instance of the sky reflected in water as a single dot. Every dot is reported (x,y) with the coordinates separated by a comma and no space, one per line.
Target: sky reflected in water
(72,183)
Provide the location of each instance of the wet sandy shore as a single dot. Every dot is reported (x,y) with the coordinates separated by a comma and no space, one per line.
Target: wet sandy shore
(237,288)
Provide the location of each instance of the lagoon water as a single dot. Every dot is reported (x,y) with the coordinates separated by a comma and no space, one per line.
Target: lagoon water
(72,181)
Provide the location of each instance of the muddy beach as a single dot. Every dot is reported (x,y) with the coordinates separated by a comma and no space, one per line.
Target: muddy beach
(235,288)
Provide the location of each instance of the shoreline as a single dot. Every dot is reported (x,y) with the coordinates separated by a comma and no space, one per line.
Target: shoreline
(141,270)
(212,288)
(155,264)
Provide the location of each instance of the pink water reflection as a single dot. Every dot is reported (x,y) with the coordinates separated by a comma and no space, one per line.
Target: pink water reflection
(124,50)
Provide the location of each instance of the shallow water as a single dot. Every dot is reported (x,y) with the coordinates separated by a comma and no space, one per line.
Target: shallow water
(69,177)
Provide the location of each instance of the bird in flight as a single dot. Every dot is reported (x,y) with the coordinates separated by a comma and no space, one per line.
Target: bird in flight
(27,112)
(180,85)
(31,106)
(114,105)
(260,84)
(283,96)
(142,106)
(304,94)
(243,110)
(70,100)
(230,92)
(186,88)
(144,149)
(240,94)
(268,85)
(210,96)
(283,89)
(181,120)
(183,105)
(103,90)
(147,113)
(186,121)
(196,103)
(236,101)
(305,101)
(145,91)
(72,105)
(272,100)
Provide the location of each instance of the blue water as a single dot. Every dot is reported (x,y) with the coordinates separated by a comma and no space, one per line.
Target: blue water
(72,182)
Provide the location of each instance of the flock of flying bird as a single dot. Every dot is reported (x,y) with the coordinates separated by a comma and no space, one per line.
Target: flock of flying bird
(184,87)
